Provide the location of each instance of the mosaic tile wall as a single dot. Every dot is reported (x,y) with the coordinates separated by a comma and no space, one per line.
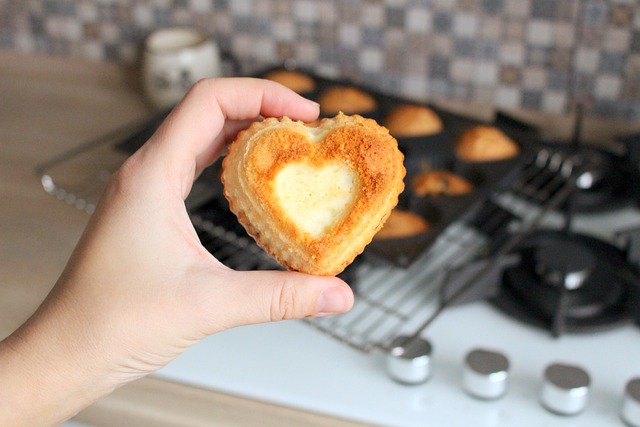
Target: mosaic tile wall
(534,54)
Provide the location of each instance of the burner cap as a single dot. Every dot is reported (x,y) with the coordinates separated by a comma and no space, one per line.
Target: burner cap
(605,183)
(563,263)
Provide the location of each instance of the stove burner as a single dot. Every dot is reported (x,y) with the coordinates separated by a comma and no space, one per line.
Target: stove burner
(568,283)
(568,265)
(603,185)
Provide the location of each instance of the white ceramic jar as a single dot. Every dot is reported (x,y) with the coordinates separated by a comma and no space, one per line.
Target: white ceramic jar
(173,60)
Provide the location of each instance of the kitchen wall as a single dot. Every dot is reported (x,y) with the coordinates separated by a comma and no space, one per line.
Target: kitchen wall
(534,54)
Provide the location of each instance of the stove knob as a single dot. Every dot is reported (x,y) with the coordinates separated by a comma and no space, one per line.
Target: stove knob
(630,411)
(565,389)
(485,374)
(409,361)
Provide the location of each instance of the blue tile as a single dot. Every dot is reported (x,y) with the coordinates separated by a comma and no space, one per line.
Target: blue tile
(594,12)
(162,17)
(544,9)
(253,25)
(180,4)
(492,6)
(395,17)
(464,47)
(221,4)
(372,37)
(440,88)
(111,52)
(59,7)
(531,99)
(439,67)
(6,39)
(558,80)
(612,63)
(36,24)
(442,22)
(327,54)
(635,41)
(623,110)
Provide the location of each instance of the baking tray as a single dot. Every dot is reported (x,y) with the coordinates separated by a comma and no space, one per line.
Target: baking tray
(421,153)
(433,152)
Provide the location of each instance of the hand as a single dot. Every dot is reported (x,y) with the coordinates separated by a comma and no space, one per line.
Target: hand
(139,288)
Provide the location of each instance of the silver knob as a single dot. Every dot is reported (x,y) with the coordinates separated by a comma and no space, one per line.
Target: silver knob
(630,410)
(485,374)
(565,389)
(409,360)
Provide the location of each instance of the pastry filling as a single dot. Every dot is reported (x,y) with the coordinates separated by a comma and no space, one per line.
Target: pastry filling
(315,199)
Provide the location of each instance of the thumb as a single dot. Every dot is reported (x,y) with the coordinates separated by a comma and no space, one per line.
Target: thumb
(266,296)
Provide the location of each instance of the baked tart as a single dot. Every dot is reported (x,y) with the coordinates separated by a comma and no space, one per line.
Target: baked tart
(413,120)
(402,224)
(297,81)
(313,196)
(440,183)
(485,143)
(346,99)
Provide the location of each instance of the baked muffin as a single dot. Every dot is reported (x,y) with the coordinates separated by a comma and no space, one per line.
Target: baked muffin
(412,120)
(440,183)
(484,143)
(313,197)
(401,224)
(346,99)
(294,80)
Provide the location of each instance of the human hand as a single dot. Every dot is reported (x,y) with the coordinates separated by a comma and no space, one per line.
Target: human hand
(139,288)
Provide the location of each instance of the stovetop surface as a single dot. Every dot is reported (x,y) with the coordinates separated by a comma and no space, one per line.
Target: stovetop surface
(292,364)
(289,363)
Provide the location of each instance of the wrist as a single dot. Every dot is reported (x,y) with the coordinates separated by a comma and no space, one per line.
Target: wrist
(47,376)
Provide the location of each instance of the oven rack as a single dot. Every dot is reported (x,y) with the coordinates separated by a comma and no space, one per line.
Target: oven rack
(390,300)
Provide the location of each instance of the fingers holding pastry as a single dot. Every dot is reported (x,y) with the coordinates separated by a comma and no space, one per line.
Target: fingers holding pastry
(194,133)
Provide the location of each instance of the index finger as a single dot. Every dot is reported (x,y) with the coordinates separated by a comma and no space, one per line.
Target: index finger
(188,139)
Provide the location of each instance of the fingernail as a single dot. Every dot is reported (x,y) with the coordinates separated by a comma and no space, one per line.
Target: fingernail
(333,300)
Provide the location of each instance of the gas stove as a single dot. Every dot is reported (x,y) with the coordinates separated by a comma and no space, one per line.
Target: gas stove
(524,312)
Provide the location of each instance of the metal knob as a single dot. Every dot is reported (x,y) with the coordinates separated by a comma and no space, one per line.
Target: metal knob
(409,361)
(565,389)
(485,374)
(630,410)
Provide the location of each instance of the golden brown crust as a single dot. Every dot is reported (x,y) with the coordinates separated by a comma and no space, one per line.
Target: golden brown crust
(294,80)
(401,224)
(261,153)
(346,99)
(485,143)
(440,183)
(413,120)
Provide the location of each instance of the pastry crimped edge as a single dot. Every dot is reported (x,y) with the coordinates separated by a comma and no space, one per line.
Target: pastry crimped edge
(366,147)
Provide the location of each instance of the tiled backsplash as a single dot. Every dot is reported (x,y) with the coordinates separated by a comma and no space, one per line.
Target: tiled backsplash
(534,54)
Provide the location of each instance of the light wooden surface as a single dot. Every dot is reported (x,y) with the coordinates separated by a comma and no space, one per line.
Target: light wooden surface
(48,105)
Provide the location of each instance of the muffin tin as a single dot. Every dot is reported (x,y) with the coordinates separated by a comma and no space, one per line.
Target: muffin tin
(433,152)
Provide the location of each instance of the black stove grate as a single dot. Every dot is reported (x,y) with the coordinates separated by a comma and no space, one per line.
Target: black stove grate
(568,283)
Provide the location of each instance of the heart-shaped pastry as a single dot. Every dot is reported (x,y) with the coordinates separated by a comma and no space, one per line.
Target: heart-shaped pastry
(313,196)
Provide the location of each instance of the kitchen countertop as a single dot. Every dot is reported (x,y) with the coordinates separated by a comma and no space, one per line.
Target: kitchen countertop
(50,105)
